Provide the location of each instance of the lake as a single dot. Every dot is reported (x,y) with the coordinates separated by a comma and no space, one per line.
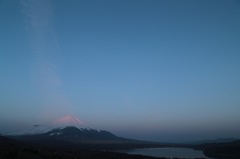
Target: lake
(169,152)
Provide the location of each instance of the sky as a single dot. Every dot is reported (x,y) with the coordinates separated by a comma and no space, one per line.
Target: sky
(154,70)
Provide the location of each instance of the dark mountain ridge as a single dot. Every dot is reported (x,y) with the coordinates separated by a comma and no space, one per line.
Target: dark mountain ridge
(224,150)
(70,133)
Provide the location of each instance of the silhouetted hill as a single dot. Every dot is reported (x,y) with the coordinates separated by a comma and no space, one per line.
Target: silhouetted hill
(219,140)
(5,141)
(226,150)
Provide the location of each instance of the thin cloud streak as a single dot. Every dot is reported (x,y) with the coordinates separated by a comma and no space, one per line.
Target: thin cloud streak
(44,43)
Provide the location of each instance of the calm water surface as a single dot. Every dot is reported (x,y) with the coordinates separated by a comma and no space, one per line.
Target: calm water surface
(169,152)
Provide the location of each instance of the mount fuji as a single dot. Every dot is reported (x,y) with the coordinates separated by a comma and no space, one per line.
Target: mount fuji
(72,134)
(67,128)
(66,121)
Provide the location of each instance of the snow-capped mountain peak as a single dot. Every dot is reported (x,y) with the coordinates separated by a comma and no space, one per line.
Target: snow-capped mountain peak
(69,120)
(69,128)
(61,123)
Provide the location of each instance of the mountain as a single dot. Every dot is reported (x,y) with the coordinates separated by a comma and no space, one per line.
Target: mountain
(82,134)
(69,120)
(67,128)
(218,140)
(71,133)
(5,141)
(66,121)
(221,150)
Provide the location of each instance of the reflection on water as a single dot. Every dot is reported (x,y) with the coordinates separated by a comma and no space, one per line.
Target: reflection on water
(169,152)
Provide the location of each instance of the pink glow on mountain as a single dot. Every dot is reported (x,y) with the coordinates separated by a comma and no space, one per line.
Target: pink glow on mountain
(69,120)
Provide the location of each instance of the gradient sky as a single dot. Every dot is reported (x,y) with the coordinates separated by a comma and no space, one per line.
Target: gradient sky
(146,69)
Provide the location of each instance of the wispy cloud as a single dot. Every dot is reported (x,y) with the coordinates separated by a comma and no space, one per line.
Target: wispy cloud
(44,45)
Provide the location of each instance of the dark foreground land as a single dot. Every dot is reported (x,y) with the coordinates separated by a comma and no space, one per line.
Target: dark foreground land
(228,150)
(15,149)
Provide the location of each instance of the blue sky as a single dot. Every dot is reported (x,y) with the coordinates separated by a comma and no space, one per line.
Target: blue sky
(156,70)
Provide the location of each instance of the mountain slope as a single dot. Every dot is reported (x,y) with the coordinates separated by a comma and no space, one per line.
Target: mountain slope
(82,134)
(224,150)
(71,133)
(66,121)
